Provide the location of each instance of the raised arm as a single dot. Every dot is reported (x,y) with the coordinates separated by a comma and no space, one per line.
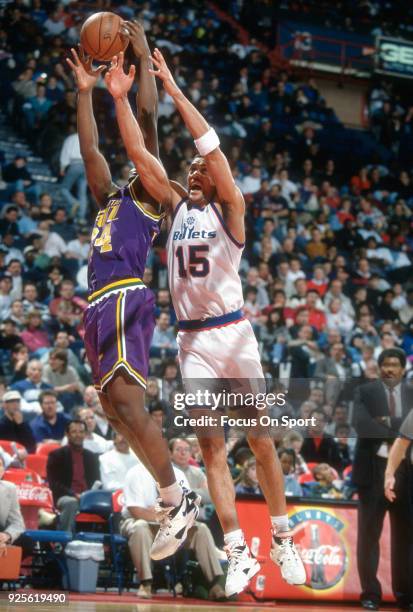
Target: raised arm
(97,170)
(147,96)
(152,173)
(217,164)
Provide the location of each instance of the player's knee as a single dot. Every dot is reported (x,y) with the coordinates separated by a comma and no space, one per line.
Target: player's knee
(262,447)
(213,451)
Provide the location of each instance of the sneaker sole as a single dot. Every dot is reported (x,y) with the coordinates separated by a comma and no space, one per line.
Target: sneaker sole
(172,551)
(253,571)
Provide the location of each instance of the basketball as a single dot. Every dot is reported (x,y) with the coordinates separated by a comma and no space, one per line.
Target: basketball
(100,36)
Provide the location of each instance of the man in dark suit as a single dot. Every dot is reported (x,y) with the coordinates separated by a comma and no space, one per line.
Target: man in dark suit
(319,447)
(71,470)
(379,408)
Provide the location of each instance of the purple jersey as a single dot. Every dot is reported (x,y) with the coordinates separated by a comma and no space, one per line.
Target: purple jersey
(121,239)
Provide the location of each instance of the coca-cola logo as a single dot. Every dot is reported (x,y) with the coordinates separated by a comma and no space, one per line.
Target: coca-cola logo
(36,495)
(321,546)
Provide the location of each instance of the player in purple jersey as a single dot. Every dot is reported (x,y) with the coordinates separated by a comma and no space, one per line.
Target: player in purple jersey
(211,185)
(119,321)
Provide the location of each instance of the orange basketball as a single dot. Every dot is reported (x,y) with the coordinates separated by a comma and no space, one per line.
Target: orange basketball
(100,36)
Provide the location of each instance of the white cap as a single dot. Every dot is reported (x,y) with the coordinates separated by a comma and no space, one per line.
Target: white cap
(11,396)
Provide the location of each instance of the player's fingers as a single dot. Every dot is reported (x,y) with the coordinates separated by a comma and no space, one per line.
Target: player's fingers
(155,61)
(75,56)
(100,69)
(113,62)
(120,59)
(71,64)
(132,71)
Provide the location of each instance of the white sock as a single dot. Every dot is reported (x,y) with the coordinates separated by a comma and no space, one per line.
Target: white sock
(234,536)
(172,495)
(280,523)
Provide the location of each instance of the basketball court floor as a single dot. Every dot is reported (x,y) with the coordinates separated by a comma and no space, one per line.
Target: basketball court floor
(129,603)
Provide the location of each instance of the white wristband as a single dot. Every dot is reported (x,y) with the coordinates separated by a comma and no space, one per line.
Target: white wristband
(207,143)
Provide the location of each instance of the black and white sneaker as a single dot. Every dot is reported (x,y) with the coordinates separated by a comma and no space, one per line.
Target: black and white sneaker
(175,522)
(285,555)
(241,567)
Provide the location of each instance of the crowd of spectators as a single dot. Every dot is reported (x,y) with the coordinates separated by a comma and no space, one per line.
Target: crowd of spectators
(327,271)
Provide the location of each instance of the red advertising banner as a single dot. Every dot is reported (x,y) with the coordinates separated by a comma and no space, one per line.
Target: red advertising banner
(326,536)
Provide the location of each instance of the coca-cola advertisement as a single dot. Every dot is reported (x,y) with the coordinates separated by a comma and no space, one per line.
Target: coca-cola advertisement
(321,546)
(34,495)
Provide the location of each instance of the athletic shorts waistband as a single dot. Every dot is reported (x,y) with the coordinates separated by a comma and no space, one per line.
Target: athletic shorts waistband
(211,322)
(126,283)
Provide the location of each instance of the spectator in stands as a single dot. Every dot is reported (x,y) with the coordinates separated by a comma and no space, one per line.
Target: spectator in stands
(71,470)
(72,169)
(180,450)
(11,520)
(288,466)
(19,362)
(34,337)
(62,225)
(328,485)
(247,482)
(5,298)
(115,463)
(67,296)
(64,379)
(12,425)
(294,439)
(31,387)
(92,442)
(31,302)
(319,447)
(164,340)
(91,400)
(49,426)
(80,246)
(139,526)
(19,178)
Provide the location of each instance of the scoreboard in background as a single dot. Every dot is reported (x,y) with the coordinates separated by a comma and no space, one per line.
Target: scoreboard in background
(394,56)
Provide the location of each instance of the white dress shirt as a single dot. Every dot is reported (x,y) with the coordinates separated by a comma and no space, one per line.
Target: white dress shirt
(140,488)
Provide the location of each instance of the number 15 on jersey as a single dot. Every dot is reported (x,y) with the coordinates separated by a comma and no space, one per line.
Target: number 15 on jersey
(193,260)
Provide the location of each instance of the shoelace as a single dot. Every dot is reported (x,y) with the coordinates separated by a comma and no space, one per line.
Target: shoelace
(234,553)
(288,548)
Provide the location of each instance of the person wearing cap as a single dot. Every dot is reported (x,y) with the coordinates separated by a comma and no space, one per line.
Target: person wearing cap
(12,251)
(12,426)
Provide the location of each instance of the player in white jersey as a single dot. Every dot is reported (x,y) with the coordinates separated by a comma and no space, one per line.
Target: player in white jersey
(215,341)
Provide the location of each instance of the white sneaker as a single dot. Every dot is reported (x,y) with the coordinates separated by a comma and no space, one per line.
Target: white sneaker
(174,525)
(285,555)
(241,567)
(144,591)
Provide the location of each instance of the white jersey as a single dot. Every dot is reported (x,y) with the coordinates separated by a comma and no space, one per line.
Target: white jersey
(203,262)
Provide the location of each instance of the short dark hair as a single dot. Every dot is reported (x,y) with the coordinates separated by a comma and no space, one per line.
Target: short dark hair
(77,421)
(398,353)
(288,451)
(47,393)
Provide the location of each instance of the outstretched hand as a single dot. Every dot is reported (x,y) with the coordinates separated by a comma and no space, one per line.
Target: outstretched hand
(85,75)
(117,81)
(163,73)
(133,30)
